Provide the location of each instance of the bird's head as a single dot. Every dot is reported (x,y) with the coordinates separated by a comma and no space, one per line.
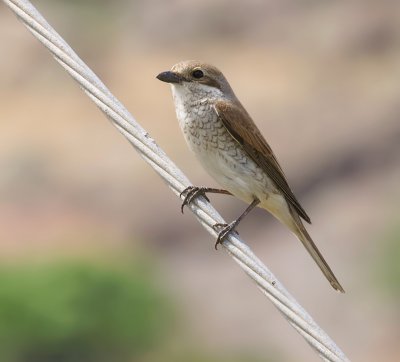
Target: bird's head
(197,78)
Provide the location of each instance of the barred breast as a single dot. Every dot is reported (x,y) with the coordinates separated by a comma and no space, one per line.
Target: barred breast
(219,153)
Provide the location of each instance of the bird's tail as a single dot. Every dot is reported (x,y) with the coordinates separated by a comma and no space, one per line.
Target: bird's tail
(300,231)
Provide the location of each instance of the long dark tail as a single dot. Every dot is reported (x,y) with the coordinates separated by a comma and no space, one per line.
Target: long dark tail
(301,232)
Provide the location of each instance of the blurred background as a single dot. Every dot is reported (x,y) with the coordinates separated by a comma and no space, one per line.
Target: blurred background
(97,262)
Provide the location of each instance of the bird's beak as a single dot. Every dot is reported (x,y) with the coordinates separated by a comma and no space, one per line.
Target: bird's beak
(170,77)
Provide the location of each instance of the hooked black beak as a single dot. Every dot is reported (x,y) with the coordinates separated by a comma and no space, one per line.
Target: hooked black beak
(170,77)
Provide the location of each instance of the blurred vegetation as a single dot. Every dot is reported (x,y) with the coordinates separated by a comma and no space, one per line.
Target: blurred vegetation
(73,311)
(76,311)
(389,266)
(196,356)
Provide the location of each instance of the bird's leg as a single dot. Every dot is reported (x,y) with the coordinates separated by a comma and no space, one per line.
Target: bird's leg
(227,228)
(191,192)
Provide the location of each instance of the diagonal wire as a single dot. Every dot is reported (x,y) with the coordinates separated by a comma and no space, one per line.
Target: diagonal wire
(175,179)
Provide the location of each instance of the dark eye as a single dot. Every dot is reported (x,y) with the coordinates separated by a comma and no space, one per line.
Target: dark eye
(197,74)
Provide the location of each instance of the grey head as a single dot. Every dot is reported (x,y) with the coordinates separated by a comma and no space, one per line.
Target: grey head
(192,76)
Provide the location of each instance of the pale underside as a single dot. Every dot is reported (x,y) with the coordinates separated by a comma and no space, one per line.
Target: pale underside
(222,157)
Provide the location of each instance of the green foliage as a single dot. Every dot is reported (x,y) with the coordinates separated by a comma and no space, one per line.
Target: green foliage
(79,312)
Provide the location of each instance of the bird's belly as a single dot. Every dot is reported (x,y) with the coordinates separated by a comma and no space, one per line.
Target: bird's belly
(222,156)
(235,172)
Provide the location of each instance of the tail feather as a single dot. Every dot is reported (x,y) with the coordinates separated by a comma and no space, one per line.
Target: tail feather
(305,238)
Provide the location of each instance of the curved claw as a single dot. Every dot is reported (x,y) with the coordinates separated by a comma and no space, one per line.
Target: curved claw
(191,193)
(188,190)
(226,229)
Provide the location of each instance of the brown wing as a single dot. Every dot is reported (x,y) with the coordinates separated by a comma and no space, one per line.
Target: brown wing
(242,128)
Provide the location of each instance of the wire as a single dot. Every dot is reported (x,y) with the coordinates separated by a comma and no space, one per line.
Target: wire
(175,179)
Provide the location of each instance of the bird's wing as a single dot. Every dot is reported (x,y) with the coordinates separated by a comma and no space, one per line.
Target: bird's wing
(242,128)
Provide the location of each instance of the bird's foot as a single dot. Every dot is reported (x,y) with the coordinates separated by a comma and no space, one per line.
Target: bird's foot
(190,193)
(224,230)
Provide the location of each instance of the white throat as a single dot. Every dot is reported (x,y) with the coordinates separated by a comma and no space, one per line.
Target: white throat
(193,93)
(192,100)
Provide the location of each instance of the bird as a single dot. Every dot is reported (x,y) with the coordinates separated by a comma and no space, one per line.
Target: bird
(230,147)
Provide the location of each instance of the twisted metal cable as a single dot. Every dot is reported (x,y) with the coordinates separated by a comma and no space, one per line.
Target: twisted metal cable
(175,179)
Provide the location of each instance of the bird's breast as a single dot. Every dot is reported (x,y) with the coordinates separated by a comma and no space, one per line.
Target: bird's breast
(203,130)
(220,154)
